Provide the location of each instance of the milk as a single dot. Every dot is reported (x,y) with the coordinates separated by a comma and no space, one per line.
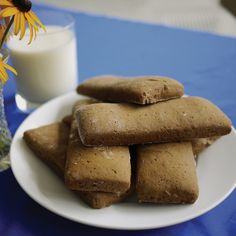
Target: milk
(48,66)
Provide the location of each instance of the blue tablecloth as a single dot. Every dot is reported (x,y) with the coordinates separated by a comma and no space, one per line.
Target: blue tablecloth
(204,63)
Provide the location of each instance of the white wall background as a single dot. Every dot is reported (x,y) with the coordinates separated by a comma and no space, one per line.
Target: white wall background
(205,15)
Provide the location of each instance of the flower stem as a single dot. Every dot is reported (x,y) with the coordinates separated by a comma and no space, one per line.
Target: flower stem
(7,31)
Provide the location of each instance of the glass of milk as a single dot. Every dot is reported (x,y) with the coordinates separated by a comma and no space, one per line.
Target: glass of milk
(48,66)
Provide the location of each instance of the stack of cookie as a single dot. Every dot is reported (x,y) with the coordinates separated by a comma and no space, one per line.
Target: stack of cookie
(145,119)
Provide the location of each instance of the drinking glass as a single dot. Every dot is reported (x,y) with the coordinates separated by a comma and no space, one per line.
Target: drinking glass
(48,66)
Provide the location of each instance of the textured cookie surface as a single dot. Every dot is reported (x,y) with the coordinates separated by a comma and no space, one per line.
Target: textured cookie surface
(105,169)
(83,102)
(166,173)
(201,144)
(69,118)
(49,143)
(53,153)
(174,120)
(140,90)
(98,200)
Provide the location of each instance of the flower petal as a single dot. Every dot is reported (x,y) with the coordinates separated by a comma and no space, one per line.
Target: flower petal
(6,3)
(9,11)
(35,33)
(3,73)
(36,19)
(17,23)
(30,20)
(10,68)
(22,25)
(31,33)
(3,78)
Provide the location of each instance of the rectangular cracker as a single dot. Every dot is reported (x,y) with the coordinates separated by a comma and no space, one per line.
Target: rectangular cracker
(49,143)
(98,200)
(101,169)
(174,120)
(105,169)
(69,118)
(82,102)
(140,90)
(166,173)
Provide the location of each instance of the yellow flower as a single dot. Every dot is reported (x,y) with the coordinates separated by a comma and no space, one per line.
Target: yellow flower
(3,73)
(21,13)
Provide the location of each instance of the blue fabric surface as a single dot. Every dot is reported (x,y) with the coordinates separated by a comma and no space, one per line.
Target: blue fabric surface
(204,63)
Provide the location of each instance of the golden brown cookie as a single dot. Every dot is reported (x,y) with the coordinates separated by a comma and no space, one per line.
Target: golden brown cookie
(166,173)
(49,143)
(67,120)
(52,150)
(140,90)
(174,120)
(201,144)
(105,169)
(98,200)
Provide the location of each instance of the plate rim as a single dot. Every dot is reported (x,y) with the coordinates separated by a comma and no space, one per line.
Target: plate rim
(94,224)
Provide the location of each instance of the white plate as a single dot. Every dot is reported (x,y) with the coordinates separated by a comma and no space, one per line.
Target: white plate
(216,173)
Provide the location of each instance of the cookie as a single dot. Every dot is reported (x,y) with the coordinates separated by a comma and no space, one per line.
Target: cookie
(95,165)
(98,200)
(174,120)
(52,150)
(166,173)
(49,143)
(105,169)
(83,102)
(201,144)
(67,120)
(140,90)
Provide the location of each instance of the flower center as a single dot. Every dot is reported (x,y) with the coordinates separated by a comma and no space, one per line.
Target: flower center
(22,5)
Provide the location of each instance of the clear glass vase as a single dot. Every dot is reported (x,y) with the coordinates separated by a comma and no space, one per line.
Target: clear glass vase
(5,135)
